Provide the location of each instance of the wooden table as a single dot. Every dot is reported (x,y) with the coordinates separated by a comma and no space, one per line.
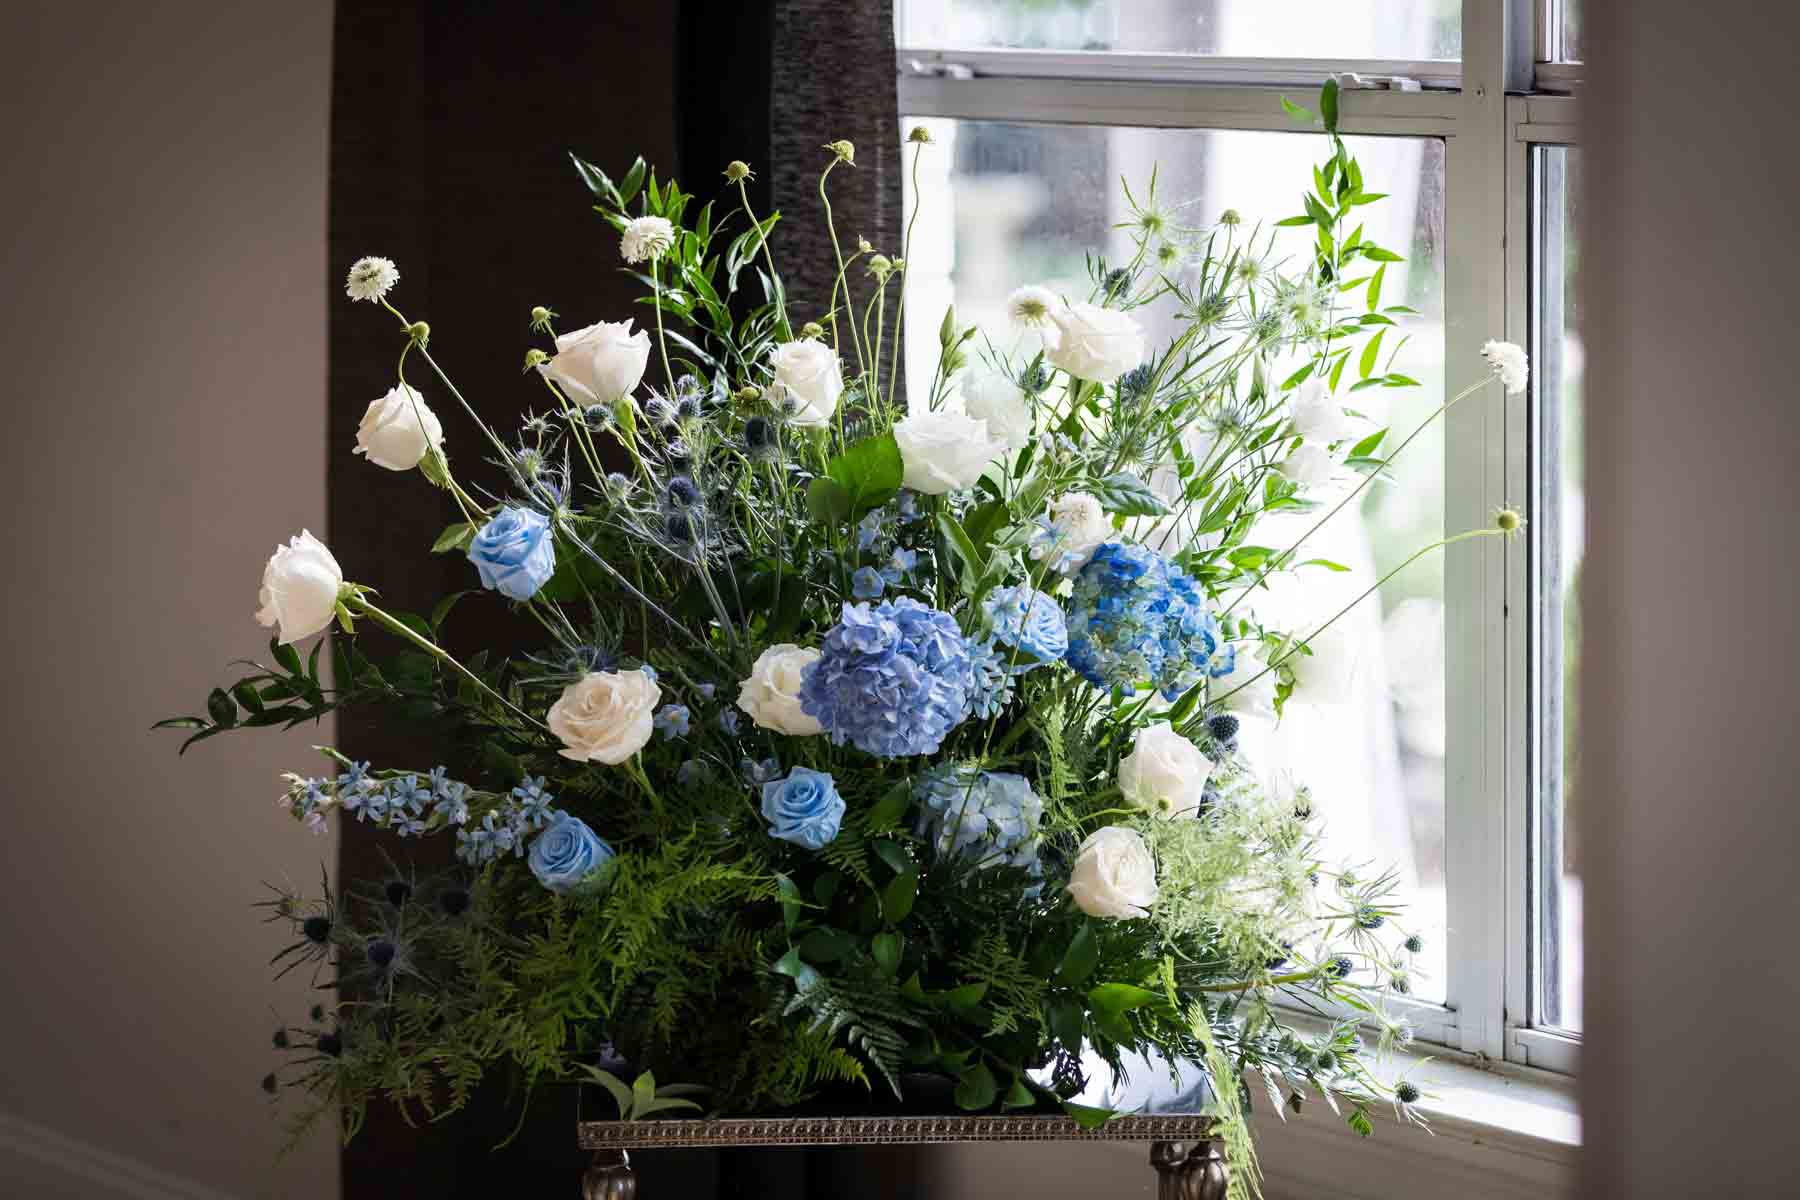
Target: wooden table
(1187,1156)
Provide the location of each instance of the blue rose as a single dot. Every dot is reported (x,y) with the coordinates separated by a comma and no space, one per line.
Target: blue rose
(514,553)
(804,808)
(1029,621)
(567,854)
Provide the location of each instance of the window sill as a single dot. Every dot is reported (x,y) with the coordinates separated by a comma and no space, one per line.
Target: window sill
(1495,1131)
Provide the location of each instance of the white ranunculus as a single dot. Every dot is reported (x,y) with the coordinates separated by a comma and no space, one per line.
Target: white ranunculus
(1310,466)
(1236,690)
(599,364)
(605,716)
(943,451)
(1165,773)
(1003,404)
(1095,343)
(1509,362)
(299,588)
(771,696)
(1317,415)
(398,429)
(809,375)
(1077,526)
(645,237)
(1114,874)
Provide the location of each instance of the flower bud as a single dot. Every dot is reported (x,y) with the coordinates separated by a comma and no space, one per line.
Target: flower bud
(1230,217)
(845,151)
(919,134)
(863,246)
(736,171)
(812,329)
(419,332)
(541,318)
(1508,520)
(535,358)
(747,393)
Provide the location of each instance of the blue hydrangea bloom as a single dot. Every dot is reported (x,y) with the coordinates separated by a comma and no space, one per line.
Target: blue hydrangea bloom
(1025,619)
(994,678)
(567,854)
(804,808)
(989,818)
(891,679)
(514,553)
(1135,617)
(866,583)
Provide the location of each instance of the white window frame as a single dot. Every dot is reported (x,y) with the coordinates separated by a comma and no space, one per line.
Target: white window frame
(1489,108)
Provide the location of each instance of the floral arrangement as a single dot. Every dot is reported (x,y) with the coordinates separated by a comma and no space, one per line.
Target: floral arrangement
(858,739)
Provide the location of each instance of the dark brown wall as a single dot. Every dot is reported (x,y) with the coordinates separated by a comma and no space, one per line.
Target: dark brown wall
(1691,805)
(163,209)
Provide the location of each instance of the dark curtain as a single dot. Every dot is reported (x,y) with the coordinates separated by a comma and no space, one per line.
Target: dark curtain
(451,120)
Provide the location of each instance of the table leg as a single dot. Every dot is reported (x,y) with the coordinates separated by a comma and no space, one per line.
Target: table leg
(610,1178)
(1189,1170)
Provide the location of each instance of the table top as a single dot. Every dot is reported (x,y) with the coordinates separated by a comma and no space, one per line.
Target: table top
(882,1131)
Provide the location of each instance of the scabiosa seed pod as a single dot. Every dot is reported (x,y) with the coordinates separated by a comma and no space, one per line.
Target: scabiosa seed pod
(1414,944)
(380,952)
(316,929)
(1406,1092)
(454,901)
(398,892)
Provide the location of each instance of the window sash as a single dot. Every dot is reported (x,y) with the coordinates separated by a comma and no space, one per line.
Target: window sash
(1490,721)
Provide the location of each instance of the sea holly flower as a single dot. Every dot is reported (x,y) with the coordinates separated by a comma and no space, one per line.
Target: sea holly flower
(804,808)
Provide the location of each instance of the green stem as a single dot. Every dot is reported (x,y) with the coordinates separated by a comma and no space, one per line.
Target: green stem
(395,625)
(662,343)
(841,280)
(781,317)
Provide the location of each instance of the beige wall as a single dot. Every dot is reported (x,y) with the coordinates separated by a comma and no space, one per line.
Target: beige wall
(163,217)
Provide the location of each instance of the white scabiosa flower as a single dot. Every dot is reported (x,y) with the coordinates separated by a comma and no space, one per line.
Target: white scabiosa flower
(1509,363)
(1029,308)
(300,586)
(398,430)
(371,278)
(646,238)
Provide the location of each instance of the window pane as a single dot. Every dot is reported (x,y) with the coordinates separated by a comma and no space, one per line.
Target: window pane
(1556,531)
(1013,204)
(1571,30)
(1392,29)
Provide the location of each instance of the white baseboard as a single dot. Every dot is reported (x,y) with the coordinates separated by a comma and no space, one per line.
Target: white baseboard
(40,1163)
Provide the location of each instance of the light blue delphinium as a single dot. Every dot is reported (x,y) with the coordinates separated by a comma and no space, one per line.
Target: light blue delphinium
(804,808)
(514,553)
(988,818)
(568,854)
(899,566)
(868,530)
(1135,617)
(866,583)
(891,679)
(671,721)
(1027,620)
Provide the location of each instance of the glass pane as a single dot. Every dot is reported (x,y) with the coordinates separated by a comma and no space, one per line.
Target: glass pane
(1571,30)
(1013,204)
(1556,531)
(1393,29)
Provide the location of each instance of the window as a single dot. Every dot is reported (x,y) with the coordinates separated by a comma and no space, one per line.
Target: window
(1448,757)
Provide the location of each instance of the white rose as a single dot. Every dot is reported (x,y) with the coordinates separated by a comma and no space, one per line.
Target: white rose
(1328,674)
(772,693)
(1310,466)
(1095,343)
(605,716)
(1000,402)
(398,429)
(1114,874)
(808,373)
(1236,691)
(1317,415)
(943,451)
(599,364)
(299,588)
(1078,526)
(1164,773)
